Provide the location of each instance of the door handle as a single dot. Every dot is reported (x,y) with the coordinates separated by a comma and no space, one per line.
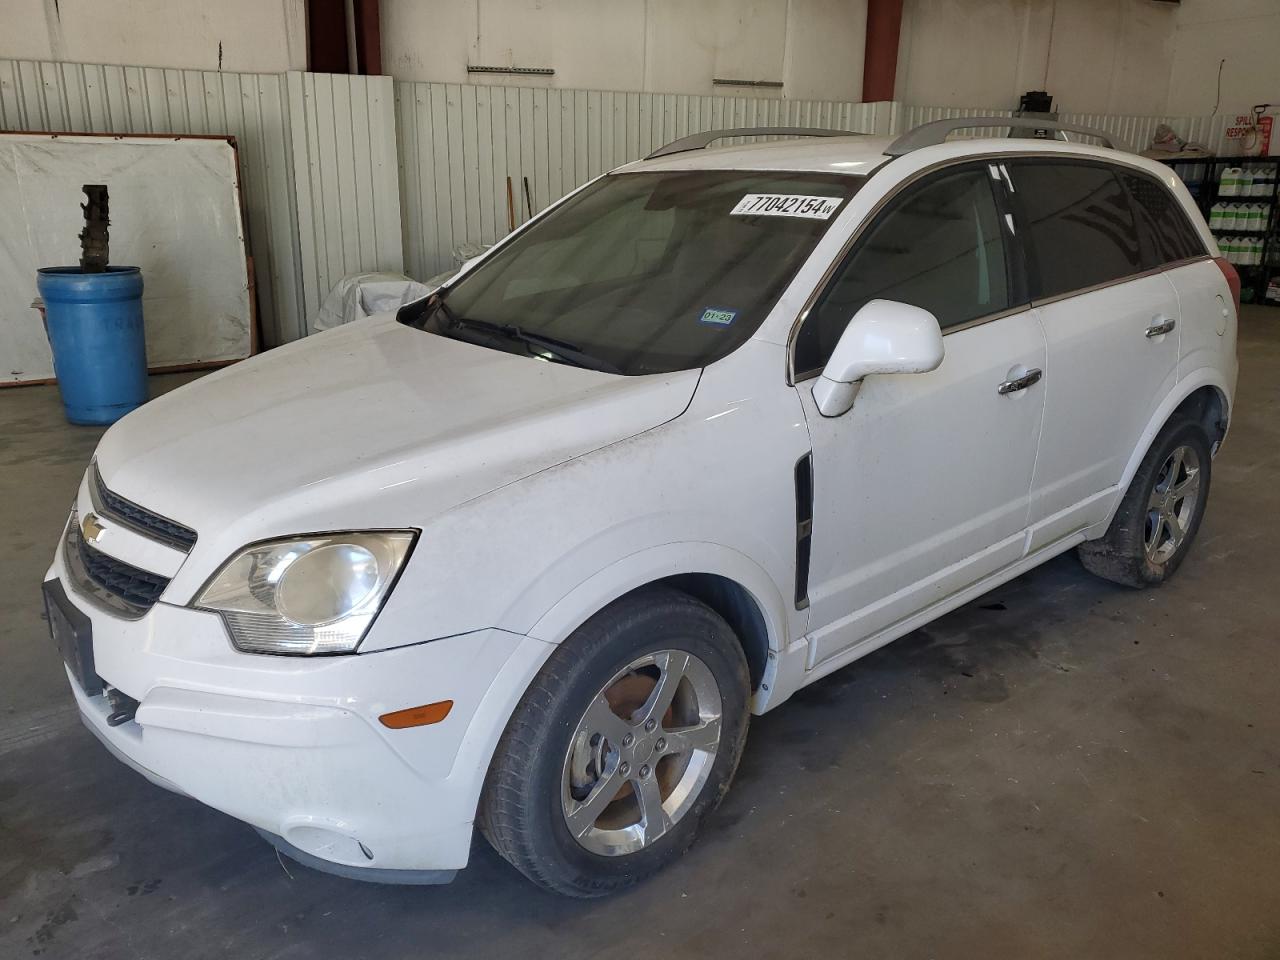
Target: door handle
(1020,383)
(1161,327)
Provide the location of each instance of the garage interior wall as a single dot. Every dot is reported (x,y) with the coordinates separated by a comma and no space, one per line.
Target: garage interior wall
(253,108)
(250,36)
(813,47)
(459,143)
(317,156)
(344,174)
(327,183)
(1094,56)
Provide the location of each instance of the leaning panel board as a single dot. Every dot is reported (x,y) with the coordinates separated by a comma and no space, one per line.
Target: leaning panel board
(175,212)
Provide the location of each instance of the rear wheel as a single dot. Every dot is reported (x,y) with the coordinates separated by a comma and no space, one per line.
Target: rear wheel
(1160,514)
(625,741)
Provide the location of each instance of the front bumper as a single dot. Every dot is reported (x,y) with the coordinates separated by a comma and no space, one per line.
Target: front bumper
(293,745)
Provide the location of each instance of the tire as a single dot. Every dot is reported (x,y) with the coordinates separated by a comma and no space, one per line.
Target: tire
(558,758)
(1125,554)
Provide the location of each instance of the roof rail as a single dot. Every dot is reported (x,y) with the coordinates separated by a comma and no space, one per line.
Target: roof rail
(699,141)
(931,134)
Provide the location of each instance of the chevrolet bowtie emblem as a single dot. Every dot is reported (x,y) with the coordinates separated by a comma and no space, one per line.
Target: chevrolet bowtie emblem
(91,528)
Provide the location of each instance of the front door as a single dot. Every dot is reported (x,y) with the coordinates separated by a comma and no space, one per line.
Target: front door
(922,487)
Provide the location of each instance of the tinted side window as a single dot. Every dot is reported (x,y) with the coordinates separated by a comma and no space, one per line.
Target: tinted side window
(1169,234)
(936,246)
(1079,223)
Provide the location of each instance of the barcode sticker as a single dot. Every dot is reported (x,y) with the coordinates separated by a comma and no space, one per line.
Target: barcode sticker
(786,205)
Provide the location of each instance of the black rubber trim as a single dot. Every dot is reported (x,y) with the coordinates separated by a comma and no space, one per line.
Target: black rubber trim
(804,527)
(119,587)
(368,874)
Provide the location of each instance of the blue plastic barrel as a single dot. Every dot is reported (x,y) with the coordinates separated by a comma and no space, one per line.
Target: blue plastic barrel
(95,329)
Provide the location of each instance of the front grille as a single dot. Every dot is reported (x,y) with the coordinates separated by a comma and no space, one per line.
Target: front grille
(117,583)
(140,518)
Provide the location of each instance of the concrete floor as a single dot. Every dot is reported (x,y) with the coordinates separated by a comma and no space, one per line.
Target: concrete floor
(1063,768)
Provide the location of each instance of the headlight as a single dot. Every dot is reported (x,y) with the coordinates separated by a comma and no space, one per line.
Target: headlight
(306,596)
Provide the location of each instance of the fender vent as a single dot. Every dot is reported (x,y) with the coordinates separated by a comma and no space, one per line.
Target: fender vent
(804,527)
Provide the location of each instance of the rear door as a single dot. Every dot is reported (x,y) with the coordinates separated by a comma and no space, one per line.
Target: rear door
(1204,300)
(1111,327)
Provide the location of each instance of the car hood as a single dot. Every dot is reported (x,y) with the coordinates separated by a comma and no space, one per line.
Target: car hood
(372,424)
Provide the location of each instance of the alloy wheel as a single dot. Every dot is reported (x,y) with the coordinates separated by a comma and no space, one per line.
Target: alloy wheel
(641,753)
(1172,505)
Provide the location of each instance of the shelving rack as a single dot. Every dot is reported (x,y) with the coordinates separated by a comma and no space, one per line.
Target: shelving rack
(1203,175)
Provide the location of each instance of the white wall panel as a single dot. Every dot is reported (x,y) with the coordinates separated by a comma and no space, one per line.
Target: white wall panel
(84,98)
(244,35)
(814,48)
(459,143)
(342,130)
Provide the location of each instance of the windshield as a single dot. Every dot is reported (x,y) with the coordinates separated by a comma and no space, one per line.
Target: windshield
(645,273)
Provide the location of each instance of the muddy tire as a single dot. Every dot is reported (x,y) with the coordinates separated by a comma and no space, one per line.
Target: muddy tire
(1160,514)
(624,743)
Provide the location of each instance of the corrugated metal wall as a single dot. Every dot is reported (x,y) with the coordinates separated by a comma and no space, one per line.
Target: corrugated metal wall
(459,143)
(325,196)
(85,98)
(317,160)
(348,193)
(1135,132)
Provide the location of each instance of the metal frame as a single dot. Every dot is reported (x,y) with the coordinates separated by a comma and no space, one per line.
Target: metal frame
(700,141)
(1206,193)
(932,134)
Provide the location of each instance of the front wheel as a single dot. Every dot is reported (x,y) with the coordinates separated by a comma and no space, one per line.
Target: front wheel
(625,741)
(1160,514)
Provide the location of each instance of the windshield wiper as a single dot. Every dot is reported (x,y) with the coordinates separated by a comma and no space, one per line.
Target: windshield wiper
(561,350)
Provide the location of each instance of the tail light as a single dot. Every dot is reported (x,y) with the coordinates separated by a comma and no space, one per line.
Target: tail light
(1233,280)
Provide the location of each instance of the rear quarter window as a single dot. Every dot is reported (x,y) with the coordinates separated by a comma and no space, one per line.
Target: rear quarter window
(1168,234)
(1078,223)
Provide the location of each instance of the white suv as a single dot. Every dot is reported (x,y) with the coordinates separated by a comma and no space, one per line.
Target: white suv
(717,424)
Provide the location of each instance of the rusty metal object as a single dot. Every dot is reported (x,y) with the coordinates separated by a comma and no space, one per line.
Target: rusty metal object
(95,241)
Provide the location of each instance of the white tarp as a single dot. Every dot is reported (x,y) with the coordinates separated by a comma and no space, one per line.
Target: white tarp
(362,295)
(175,212)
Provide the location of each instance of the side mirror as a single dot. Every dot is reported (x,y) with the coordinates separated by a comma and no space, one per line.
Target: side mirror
(883,337)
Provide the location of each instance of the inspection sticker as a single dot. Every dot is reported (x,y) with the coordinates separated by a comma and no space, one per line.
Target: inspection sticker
(786,205)
(718,316)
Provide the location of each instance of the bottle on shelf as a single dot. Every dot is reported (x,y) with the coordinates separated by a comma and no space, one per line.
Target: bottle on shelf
(1257,217)
(1229,182)
(1241,251)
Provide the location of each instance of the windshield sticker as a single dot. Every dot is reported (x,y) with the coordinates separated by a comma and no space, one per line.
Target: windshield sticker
(717,316)
(786,205)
